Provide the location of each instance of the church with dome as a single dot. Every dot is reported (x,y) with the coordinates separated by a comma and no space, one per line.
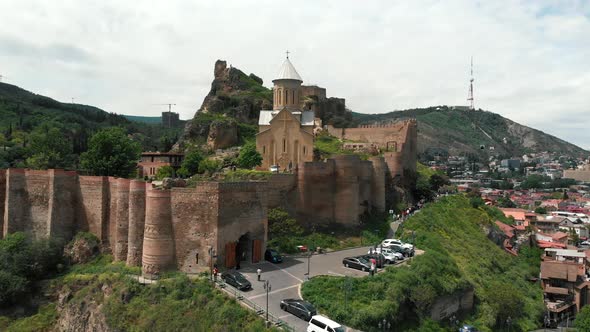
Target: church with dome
(286,133)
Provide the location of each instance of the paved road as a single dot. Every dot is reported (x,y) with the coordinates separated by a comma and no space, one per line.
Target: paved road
(286,277)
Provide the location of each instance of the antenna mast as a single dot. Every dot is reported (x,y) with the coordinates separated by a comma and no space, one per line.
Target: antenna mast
(470,95)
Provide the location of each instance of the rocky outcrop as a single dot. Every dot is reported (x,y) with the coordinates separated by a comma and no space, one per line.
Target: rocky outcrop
(222,135)
(82,248)
(78,316)
(234,97)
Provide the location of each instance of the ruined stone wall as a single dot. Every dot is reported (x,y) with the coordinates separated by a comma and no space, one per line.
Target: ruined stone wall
(315,190)
(399,141)
(112,213)
(378,183)
(122,214)
(137,189)
(93,208)
(194,224)
(63,196)
(242,214)
(347,189)
(2,199)
(281,191)
(445,306)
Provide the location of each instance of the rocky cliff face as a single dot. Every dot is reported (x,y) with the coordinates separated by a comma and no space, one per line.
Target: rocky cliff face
(78,316)
(234,101)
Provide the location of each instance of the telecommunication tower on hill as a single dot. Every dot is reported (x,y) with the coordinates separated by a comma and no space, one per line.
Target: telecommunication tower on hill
(470,95)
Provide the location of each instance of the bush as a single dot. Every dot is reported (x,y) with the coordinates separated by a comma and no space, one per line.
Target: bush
(209,166)
(249,157)
(165,172)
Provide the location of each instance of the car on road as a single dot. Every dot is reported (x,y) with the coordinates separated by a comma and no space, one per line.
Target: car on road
(272,256)
(299,308)
(319,323)
(357,263)
(274,168)
(389,255)
(388,242)
(585,243)
(237,280)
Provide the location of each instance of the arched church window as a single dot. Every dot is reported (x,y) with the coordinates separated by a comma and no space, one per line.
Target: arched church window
(286,96)
(280,96)
(293,97)
(264,149)
(284,145)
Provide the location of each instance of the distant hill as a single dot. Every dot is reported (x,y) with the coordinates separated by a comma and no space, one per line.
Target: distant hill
(144,119)
(466,131)
(23,112)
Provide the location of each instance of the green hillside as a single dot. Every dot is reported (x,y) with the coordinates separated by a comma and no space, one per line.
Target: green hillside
(29,123)
(458,255)
(465,131)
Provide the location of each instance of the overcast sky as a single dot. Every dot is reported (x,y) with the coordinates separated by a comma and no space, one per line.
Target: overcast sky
(531,58)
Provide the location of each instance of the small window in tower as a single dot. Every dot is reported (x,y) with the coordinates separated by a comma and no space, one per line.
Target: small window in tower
(286,96)
(284,145)
(263,149)
(293,97)
(304,150)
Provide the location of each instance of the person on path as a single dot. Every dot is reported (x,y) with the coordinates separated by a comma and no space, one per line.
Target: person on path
(373,264)
(215,273)
(258,272)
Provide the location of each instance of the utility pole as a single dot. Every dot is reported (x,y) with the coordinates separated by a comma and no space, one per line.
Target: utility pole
(267,288)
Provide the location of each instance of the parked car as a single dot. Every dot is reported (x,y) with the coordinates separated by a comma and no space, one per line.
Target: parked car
(299,308)
(274,168)
(236,279)
(389,255)
(467,328)
(273,256)
(585,243)
(319,323)
(404,251)
(379,259)
(357,263)
(388,242)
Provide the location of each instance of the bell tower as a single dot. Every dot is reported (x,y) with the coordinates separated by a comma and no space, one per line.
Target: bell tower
(287,88)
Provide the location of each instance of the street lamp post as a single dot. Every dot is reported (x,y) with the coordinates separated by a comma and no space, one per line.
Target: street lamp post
(385,325)
(211,256)
(267,288)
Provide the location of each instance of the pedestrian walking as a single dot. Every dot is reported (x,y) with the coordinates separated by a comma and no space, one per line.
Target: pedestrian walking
(373,265)
(258,272)
(215,273)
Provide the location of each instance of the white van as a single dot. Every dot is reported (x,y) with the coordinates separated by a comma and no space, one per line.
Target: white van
(319,323)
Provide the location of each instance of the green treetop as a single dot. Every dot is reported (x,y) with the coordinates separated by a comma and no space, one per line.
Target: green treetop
(111,153)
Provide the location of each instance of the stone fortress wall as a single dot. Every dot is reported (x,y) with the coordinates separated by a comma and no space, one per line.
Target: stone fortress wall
(141,225)
(398,141)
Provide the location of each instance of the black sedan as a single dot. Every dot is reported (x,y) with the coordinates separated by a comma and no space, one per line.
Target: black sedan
(299,308)
(272,256)
(357,263)
(237,280)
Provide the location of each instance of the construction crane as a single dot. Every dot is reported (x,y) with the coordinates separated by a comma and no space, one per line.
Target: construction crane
(169,106)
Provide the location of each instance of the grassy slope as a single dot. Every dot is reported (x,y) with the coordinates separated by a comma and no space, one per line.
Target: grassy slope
(176,303)
(458,255)
(463,131)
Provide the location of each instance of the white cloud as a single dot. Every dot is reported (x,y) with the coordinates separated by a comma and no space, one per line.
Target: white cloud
(531,57)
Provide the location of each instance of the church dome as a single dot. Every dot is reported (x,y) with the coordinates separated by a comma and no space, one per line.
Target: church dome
(288,72)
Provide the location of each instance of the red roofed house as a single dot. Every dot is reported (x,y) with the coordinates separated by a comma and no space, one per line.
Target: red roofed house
(565,284)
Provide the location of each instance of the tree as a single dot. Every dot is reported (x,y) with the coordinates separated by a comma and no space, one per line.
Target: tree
(208,166)
(583,319)
(541,210)
(49,148)
(506,202)
(281,224)
(111,153)
(164,172)
(249,157)
(190,164)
